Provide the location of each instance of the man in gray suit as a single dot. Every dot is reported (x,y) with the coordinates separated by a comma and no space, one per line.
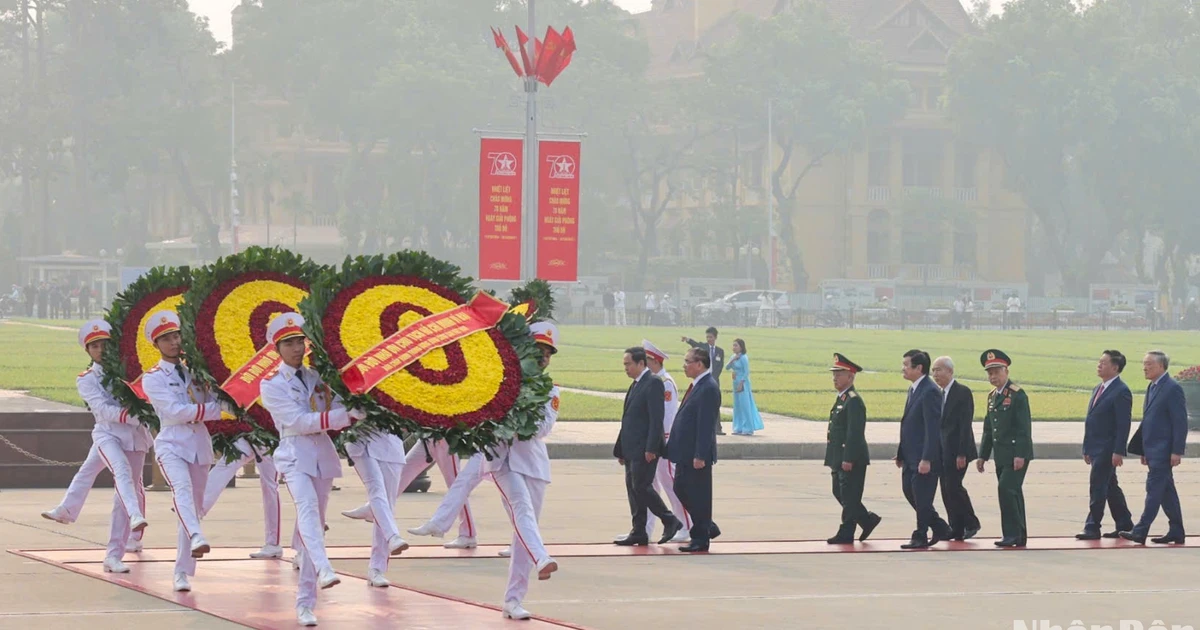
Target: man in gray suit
(1161,440)
(638,447)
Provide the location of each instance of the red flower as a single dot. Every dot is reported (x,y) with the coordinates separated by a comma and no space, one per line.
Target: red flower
(131,328)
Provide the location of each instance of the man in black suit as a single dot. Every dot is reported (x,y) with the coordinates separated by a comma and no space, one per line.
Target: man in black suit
(638,447)
(693,448)
(716,358)
(920,452)
(1161,439)
(958,448)
(1105,433)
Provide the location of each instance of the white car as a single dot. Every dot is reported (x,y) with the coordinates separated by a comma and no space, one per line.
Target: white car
(733,307)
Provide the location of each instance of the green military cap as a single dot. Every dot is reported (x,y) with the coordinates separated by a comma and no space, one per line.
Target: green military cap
(994,358)
(841,363)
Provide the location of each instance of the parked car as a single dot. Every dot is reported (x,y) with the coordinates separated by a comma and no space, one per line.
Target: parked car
(732,308)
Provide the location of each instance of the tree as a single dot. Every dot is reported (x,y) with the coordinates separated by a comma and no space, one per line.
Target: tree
(829,91)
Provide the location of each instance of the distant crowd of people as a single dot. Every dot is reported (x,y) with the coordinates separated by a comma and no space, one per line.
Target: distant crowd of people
(51,300)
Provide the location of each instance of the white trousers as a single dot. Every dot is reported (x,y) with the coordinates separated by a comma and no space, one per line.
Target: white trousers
(380,479)
(187,482)
(620,312)
(119,535)
(268,481)
(414,464)
(522,498)
(455,501)
(311,496)
(664,482)
(81,484)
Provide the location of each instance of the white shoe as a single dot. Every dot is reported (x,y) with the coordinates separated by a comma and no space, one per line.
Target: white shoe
(199,546)
(138,524)
(376,578)
(58,515)
(326,578)
(268,551)
(114,565)
(396,545)
(682,537)
(547,566)
(462,542)
(360,513)
(426,530)
(181,583)
(305,617)
(297,560)
(505,552)
(133,546)
(513,610)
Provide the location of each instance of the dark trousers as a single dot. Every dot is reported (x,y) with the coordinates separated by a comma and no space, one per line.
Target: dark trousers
(919,490)
(1104,489)
(1160,491)
(959,512)
(1009,491)
(639,477)
(848,490)
(694,489)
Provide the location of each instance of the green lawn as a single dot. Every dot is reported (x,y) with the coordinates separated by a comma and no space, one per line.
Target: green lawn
(789,368)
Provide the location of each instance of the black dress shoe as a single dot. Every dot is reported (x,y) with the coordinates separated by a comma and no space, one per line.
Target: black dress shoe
(1169,540)
(917,543)
(843,537)
(1087,535)
(1116,533)
(714,532)
(1139,539)
(669,532)
(1008,542)
(970,533)
(873,520)
(694,548)
(632,541)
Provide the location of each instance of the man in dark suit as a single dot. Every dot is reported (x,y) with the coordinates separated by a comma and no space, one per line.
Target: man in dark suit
(920,452)
(693,448)
(716,357)
(1163,434)
(638,447)
(958,448)
(1105,432)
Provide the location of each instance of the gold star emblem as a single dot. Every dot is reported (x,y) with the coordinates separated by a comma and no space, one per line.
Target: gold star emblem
(163,320)
(991,356)
(291,322)
(95,328)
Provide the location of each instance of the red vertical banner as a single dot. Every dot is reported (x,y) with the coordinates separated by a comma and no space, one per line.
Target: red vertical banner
(500,172)
(558,211)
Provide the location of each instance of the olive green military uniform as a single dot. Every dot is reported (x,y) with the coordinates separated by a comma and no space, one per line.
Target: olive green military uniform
(846,441)
(1007,433)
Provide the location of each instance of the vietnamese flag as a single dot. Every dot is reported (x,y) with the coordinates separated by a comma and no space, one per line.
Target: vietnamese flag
(551,45)
(523,42)
(502,44)
(555,66)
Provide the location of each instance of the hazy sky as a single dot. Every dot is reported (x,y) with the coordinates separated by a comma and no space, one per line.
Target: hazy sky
(217,12)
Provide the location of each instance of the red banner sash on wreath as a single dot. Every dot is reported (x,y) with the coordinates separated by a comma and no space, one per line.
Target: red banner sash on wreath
(414,341)
(136,386)
(243,384)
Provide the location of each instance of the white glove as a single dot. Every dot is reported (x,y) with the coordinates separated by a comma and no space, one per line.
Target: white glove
(356,414)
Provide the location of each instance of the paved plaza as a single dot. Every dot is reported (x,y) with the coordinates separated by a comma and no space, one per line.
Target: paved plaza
(770,500)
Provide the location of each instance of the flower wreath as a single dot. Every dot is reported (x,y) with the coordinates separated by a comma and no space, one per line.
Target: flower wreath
(128,354)
(474,393)
(224,320)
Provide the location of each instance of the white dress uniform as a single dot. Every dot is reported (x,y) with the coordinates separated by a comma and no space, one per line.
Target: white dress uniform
(379,461)
(454,503)
(119,443)
(81,484)
(268,482)
(183,446)
(522,472)
(415,461)
(664,476)
(303,409)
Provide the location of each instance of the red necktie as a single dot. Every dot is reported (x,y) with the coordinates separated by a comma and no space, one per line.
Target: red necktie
(685,394)
(1097,396)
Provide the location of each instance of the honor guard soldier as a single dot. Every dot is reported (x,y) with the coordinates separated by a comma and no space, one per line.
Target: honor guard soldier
(521,471)
(120,442)
(183,446)
(304,409)
(846,453)
(1008,433)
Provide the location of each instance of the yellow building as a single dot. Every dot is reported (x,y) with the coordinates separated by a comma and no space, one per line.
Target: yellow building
(914,205)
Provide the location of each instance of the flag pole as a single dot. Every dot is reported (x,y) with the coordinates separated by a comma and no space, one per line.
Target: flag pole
(529,225)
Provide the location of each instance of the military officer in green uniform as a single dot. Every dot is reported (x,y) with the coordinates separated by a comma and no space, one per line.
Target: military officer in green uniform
(846,453)
(1008,432)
